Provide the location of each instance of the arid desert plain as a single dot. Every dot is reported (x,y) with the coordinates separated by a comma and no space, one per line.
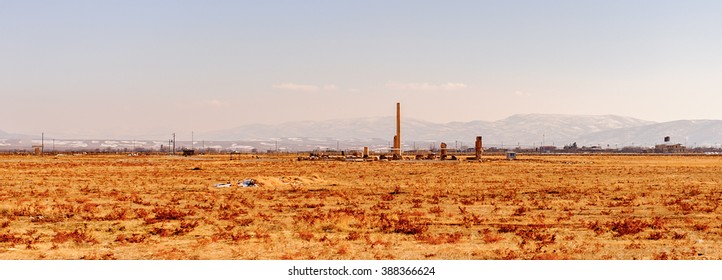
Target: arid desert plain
(536,207)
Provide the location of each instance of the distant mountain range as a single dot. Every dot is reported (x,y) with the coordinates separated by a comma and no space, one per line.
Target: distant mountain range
(517,130)
(526,130)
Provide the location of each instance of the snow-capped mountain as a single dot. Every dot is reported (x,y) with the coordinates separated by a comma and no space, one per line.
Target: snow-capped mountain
(527,129)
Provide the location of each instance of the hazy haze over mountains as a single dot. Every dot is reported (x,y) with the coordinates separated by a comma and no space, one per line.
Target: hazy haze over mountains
(691,133)
(4,134)
(522,128)
(526,130)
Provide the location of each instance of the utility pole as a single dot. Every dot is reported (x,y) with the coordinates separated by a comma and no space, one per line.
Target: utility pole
(53,145)
(42,143)
(174,143)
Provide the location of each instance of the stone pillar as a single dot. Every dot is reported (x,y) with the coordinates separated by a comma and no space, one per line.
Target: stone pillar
(443,150)
(366,152)
(478,147)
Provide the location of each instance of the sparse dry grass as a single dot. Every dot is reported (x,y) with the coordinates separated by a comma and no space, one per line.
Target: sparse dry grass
(539,207)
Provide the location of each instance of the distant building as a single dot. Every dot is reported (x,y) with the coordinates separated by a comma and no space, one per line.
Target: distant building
(669,148)
(510,155)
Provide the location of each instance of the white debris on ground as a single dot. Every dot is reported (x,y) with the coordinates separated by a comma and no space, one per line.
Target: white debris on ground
(241,183)
(247,183)
(223,185)
(274,182)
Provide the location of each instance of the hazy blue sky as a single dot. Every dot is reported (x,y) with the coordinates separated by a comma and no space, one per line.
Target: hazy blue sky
(130,67)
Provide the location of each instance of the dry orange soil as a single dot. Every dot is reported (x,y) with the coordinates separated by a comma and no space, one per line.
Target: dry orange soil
(538,207)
